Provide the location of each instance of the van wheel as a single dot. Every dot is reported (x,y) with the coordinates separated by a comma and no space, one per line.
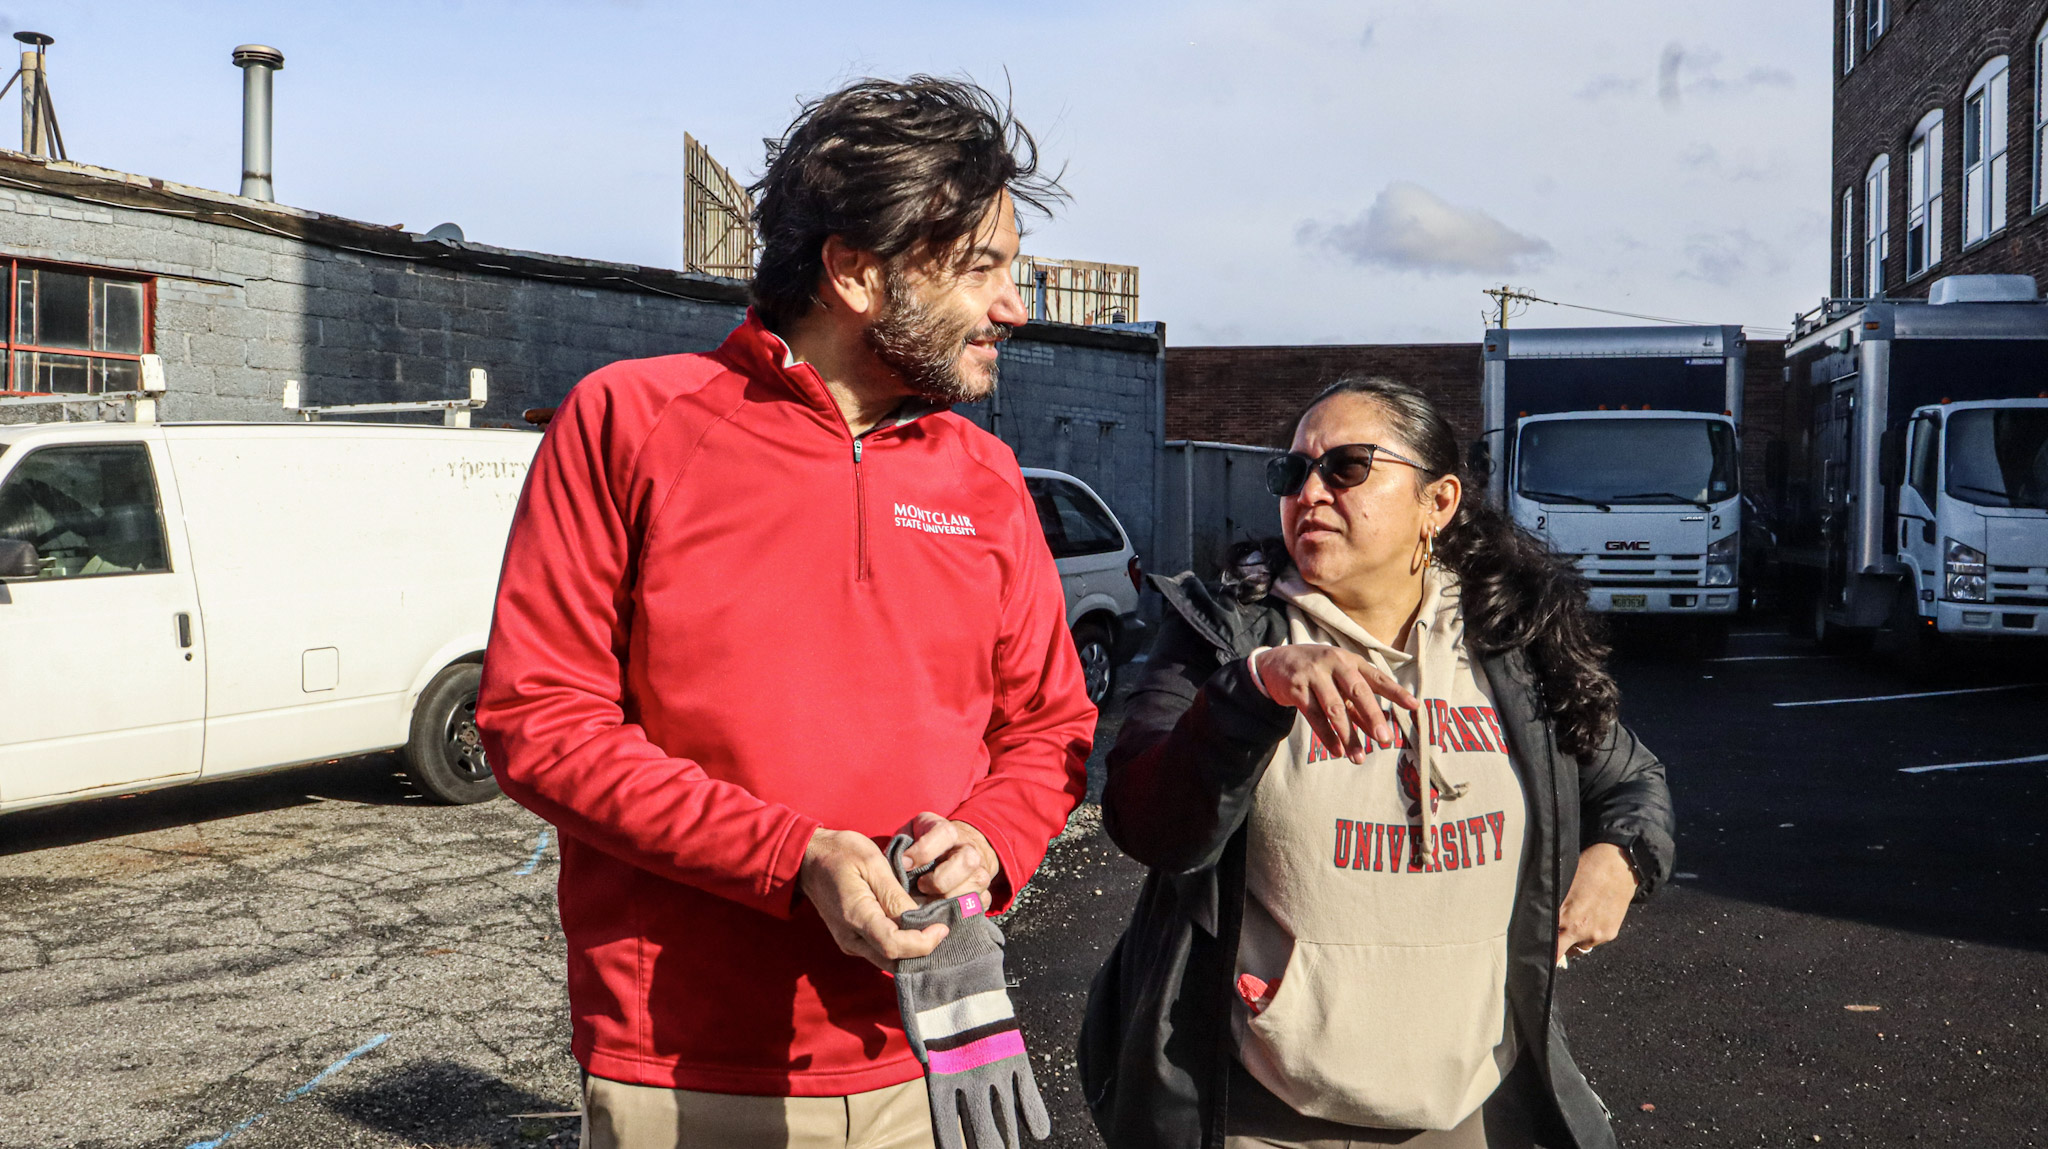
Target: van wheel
(1098,668)
(1830,638)
(445,756)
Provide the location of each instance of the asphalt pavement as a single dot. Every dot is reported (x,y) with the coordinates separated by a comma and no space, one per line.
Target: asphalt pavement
(1853,954)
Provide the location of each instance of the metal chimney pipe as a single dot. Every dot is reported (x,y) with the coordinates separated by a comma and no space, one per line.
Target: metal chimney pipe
(257,62)
(35,94)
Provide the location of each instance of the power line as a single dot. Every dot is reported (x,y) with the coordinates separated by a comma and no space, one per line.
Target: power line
(1503,293)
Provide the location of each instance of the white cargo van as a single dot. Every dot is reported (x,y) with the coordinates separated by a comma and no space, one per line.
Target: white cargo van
(181,602)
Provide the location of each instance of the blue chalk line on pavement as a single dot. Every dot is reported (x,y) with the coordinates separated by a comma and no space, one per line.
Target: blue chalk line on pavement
(295,1094)
(539,848)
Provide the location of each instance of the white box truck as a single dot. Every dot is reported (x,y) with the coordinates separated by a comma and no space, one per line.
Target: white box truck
(1618,445)
(182,602)
(1916,491)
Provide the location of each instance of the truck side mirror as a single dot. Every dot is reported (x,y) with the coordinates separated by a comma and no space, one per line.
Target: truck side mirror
(18,559)
(1479,460)
(1891,457)
(1775,458)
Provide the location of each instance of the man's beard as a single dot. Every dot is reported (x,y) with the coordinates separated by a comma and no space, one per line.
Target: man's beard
(924,347)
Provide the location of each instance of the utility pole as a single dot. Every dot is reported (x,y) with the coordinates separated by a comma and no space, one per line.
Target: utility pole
(1504,295)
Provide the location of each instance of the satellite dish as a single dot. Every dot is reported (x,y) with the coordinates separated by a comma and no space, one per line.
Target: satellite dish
(36,38)
(446,233)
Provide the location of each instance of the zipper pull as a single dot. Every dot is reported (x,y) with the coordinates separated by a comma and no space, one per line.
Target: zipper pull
(856,450)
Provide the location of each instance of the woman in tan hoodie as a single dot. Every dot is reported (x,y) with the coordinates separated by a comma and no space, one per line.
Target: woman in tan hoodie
(1383,804)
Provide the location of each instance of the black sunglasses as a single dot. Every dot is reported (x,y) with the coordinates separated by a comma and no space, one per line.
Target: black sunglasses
(1340,467)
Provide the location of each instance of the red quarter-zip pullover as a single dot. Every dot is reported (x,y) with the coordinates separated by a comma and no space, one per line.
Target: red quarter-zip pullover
(723,623)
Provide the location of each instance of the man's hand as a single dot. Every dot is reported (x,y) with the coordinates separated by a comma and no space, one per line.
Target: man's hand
(967,863)
(1599,899)
(849,881)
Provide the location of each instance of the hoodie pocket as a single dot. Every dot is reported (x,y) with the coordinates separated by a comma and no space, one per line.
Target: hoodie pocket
(1389,1037)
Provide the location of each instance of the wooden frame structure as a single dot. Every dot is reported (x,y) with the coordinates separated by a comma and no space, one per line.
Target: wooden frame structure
(718,229)
(1076,291)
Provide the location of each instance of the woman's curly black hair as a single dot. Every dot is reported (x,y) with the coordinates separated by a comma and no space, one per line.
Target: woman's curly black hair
(1517,593)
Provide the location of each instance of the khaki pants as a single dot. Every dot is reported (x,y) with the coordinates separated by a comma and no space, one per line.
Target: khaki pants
(621,1116)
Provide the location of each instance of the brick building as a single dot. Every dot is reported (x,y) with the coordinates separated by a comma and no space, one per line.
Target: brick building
(238,295)
(1250,395)
(1939,127)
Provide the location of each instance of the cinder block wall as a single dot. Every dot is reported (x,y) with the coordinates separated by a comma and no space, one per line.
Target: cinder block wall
(239,311)
(1092,411)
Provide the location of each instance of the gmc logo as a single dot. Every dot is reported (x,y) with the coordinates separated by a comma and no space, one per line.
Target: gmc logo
(1624,545)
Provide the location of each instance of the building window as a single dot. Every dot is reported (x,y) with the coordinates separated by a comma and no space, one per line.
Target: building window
(1845,281)
(1849,35)
(1874,21)
(1876,225)
(2040,119)
(74,330)
(1923,196)
(1984,153)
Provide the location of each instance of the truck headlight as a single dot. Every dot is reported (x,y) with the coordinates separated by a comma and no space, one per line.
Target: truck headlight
(1722,555)
(1964,570)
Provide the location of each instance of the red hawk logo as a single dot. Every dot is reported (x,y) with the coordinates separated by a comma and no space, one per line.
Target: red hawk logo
(1411,779)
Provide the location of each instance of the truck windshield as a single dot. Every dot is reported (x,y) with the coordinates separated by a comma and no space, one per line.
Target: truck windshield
(1999,458)
(1627,461)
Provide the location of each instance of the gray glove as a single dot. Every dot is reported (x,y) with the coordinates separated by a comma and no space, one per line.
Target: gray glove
(957,1012)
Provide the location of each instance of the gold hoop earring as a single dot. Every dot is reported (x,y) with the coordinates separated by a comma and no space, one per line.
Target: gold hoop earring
(1429,548)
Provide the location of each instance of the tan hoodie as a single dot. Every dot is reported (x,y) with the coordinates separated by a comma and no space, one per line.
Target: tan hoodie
(1378,922)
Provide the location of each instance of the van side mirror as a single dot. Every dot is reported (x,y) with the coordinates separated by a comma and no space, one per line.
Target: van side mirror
(1775,465)
(1479,460)
(18,559)
(1891,457)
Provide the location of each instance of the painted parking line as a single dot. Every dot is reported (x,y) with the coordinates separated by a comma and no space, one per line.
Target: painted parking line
(295,1094)
(539,848)
(1920,694)
(1969,765)
(1772,657)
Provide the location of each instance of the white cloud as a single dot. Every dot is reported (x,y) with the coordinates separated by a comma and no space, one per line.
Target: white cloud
(1410,228)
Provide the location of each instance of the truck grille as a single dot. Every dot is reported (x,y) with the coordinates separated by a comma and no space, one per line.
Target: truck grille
(1605,570)
(2019,586)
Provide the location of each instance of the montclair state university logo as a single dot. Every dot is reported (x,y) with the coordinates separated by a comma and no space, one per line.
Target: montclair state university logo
(932,522)
(1411,780)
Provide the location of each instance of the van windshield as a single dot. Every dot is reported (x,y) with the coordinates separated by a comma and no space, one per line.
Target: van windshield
(1999,457)
(1627,461)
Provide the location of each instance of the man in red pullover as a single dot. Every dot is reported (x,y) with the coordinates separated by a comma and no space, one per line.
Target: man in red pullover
(767,606)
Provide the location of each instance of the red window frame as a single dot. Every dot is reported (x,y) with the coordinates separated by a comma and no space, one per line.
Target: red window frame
(13,304)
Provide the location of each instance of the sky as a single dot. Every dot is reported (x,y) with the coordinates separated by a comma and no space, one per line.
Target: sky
(1280,171)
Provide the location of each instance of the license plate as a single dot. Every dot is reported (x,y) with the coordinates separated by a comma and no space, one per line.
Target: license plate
(1631,602)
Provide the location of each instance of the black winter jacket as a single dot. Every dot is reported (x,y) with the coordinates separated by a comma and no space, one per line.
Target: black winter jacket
(1155,1048)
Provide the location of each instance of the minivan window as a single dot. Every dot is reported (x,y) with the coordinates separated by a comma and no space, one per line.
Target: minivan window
(88,510)
(1075,523)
